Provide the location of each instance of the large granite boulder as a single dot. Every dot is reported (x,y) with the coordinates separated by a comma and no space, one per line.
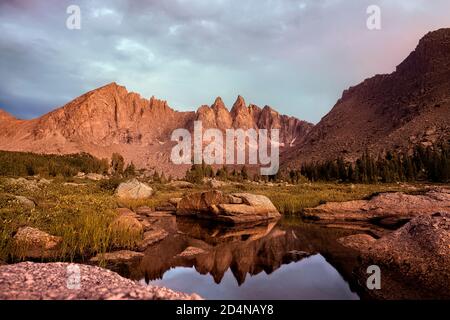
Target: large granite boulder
(134,189)
(234,208)
(414,260)
(36,244)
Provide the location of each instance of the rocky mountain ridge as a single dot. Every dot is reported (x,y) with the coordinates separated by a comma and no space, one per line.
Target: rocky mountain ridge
(394,111)
(111,119)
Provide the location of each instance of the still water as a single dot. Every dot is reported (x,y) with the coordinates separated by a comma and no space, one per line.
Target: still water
(286,259)
(310,278)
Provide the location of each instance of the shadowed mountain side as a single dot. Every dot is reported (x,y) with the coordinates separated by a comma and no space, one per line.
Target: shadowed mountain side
(396,111)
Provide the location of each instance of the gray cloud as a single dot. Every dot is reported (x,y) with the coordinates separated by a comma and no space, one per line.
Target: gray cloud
(297,56)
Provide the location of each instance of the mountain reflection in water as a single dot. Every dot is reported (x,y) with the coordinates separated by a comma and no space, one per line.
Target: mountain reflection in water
(311,278)
(287,259)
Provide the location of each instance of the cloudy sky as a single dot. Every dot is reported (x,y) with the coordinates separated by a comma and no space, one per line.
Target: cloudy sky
(297,56)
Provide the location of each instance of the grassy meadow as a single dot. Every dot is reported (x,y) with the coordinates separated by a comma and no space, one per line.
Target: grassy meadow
(80,211)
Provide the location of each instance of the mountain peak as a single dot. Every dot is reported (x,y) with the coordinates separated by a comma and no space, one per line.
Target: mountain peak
(110,86)
(218,104)
(110,89)
(431,54)
(240,100)
(238,105)
(436,35)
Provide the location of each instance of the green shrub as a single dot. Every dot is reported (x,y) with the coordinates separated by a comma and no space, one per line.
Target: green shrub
(110,184)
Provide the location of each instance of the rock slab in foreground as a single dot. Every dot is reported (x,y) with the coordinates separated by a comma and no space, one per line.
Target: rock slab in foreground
(235,208)
(415,258)
(49,281)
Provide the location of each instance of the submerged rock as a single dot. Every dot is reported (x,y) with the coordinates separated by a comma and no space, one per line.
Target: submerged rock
(122,261)
(151,237)
(36,244)
(359,242)
(64,281)
(123,256)
(134,189)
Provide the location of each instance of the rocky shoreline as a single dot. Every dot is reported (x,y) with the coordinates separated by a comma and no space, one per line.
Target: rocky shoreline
(406,235)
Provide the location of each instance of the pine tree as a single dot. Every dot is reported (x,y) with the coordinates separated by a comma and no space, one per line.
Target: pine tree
(351,173)
(117,164)
(244,173)
(130,170)
(342,170)
(163,178)
(156,177)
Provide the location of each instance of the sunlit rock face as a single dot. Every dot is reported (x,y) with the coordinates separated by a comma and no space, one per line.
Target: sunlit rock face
(111,119)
